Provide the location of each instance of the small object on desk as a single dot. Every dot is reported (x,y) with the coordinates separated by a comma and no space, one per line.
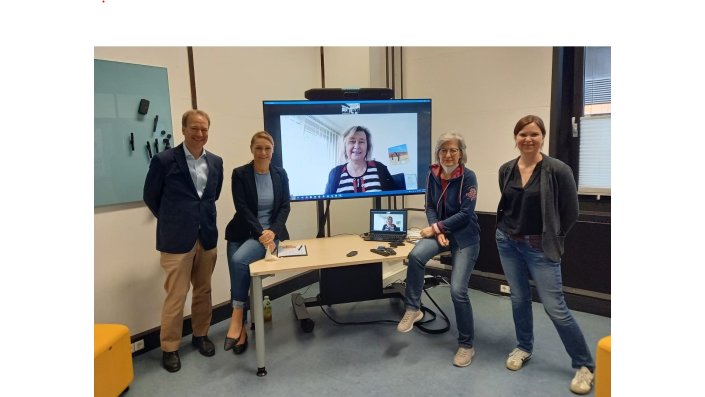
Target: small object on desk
(156,118)
(132,141)
(380,251)
(292,250)
(269,256)
(149,149)
(414,234)
(351,253)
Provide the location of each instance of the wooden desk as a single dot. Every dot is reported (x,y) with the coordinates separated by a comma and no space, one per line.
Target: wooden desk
(322,253)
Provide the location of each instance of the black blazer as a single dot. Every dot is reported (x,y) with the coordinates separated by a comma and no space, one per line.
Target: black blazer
(181,215)
(245,223)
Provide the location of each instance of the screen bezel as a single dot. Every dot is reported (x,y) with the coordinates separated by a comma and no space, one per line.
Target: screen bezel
(402,213)
(274,109)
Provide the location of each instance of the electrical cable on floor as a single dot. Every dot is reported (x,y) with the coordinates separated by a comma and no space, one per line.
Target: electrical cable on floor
(358,322)
(419,324)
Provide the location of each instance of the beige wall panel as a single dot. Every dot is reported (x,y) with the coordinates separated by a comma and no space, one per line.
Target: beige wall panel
(481,92)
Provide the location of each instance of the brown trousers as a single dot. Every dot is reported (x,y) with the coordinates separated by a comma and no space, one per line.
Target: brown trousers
(194,267)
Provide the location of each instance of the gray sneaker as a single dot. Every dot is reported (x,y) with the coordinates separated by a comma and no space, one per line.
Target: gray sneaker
(582,382)
(517,358)
(407,322)
(464,356)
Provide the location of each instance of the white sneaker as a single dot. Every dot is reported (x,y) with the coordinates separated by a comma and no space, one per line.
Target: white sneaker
(407,322)
(517,358)
(582,382)
(464,356)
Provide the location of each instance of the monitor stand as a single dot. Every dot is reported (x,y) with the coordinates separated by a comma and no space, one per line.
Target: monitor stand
(343,284)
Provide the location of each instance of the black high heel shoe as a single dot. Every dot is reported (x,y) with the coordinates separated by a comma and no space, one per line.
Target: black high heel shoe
(230,343)
(239,349)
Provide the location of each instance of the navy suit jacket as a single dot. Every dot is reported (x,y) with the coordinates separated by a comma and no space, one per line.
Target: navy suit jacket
(245,223)
(170,194)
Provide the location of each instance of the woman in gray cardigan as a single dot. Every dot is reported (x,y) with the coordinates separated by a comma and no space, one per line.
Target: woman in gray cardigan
(538,206)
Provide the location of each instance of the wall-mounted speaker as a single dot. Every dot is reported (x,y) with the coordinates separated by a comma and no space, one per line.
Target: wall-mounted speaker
(337,94)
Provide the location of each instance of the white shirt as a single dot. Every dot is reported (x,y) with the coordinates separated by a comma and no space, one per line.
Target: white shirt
(198,170)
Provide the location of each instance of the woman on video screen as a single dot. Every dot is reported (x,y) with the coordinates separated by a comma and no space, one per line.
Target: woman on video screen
(390,226)
(359,174)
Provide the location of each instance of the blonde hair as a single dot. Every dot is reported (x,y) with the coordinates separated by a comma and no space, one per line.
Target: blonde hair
(261,134)
(350,131)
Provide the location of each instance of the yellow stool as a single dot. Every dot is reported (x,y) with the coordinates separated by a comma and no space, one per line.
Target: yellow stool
(603,368)
(113,371)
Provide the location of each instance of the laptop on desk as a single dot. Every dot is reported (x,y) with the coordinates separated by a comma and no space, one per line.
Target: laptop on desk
(387,225)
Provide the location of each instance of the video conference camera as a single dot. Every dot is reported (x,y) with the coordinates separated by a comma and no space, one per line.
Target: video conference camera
(340,94)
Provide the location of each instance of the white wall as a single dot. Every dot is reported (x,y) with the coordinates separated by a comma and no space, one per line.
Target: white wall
(480,92)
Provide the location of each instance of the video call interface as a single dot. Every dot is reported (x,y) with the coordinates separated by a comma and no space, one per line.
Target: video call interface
(380,219)
(309,145)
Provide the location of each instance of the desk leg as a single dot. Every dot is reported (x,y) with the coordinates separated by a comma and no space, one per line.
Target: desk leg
(258,314)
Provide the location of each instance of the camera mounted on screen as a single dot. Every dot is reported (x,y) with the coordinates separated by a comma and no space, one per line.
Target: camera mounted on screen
(339,94)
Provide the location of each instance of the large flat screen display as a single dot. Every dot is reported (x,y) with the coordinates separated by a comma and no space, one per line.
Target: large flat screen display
(351,148)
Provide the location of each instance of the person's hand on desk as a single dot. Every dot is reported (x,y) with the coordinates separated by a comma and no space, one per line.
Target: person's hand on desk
(267,240)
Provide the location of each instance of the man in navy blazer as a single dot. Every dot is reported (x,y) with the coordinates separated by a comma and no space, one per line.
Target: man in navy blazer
(180,189)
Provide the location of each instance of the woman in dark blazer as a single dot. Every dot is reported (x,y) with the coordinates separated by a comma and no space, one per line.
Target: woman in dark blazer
(261,196)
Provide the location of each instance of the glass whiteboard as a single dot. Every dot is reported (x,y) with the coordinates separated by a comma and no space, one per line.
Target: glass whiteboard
(119,171)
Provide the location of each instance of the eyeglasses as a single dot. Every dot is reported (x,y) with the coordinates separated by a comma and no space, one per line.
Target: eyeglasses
(452,151)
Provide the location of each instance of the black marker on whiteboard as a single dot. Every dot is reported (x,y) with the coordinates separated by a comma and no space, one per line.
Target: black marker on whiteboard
(156,118)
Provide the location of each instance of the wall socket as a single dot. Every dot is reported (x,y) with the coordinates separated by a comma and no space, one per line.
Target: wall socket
(137,346)
(504,288)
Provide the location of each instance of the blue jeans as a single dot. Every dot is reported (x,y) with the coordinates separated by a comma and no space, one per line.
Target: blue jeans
(240,255)
(464,260)
(524,258)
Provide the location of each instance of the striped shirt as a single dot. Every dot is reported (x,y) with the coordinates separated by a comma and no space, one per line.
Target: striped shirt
(367,182)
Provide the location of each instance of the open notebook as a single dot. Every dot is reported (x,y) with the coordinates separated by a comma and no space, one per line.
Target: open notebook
(387,225)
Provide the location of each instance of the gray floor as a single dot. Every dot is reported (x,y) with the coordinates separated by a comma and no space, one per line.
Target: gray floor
(373,360)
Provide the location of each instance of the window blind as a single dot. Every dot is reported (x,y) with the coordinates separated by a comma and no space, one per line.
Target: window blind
(595,155)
